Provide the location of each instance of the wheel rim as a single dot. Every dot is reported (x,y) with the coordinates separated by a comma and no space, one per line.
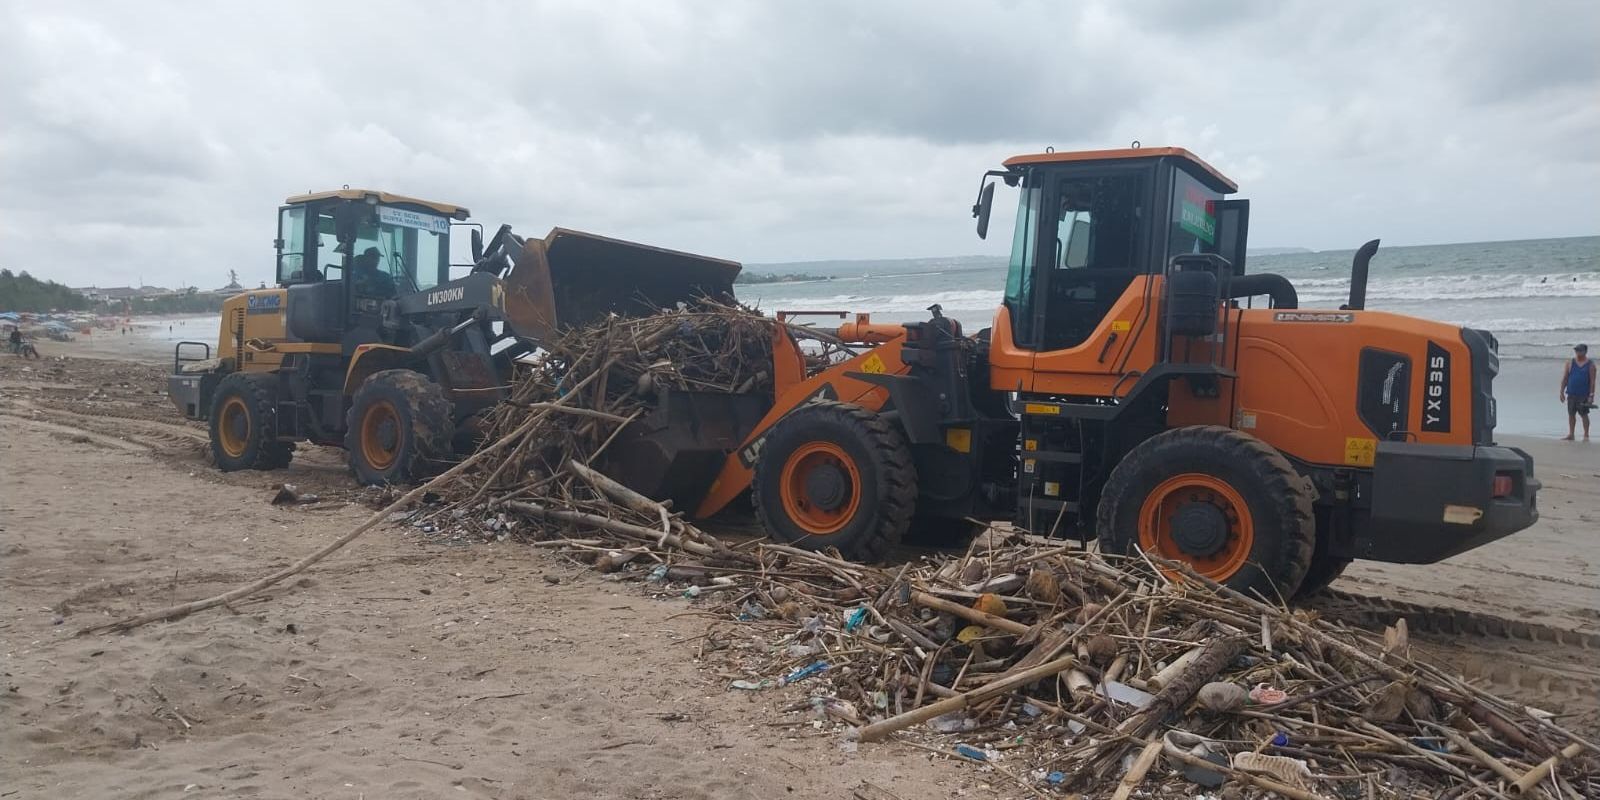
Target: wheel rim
(821,488)
(1200,520)
(380,435)
(233,427)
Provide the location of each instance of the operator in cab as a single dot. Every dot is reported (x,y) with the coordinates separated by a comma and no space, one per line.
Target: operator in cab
(366,279)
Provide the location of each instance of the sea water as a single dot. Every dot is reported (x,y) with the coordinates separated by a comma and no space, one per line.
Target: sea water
(1538,297)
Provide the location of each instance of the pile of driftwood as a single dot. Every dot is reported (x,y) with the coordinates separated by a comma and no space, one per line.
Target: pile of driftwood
(1066,672)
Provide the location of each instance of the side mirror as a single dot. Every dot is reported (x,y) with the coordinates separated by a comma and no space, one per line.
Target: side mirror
(982,208)
(477,245)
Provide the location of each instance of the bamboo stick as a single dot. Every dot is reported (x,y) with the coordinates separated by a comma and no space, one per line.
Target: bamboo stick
(969,614)
(879,730)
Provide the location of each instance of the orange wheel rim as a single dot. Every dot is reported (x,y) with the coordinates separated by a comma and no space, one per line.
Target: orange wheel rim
(380,435)
(1200,520)
(821,488)
(233,427)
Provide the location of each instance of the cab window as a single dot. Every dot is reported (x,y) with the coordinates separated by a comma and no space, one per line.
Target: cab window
(291,244)
(1194,217)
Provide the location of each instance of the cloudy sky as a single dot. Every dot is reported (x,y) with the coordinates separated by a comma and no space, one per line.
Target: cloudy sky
(157,139)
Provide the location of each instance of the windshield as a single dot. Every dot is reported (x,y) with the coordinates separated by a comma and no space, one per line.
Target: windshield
(410,246)
(1019,272)
(395,251)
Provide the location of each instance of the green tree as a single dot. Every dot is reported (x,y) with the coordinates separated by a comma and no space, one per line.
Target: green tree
(23,292)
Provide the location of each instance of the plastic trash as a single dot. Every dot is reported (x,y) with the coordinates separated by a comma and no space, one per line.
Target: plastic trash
(968,751)
(854,617)
(658,574)
(1123,693)
(1222,696)
(842,710)
(1291,771)
(804,672)
(1265,695)
(800,650)
(1200,747)
(753,686)
(1280,739)
(751,611)
(953,722)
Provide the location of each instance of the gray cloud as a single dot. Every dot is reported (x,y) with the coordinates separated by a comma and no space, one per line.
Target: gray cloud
(158,140)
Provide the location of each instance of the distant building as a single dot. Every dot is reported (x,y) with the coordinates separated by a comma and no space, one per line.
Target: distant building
(97,294)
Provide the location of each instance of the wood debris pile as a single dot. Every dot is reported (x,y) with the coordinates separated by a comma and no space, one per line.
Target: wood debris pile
(593,381)
(1061,671)
(1068,672)
(1071,674)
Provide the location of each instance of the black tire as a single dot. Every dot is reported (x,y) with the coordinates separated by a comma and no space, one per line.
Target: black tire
(1325,567)
(1277,498)
(873,509)
(399,428)
(243,424)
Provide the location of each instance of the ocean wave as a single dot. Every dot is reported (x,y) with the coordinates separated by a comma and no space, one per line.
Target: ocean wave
(1457,287)
(1461,300)
(965,300)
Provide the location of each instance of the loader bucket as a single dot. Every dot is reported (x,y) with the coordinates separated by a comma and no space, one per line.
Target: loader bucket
(571,278)
(675,451)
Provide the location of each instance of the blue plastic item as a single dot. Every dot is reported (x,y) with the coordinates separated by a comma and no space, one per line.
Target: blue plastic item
(805,672)
(971,752)
(854,619)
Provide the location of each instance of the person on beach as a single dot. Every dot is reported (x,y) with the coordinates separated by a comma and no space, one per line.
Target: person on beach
(15,339)
(1577,390)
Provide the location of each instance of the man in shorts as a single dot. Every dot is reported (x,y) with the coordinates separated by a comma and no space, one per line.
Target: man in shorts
(1577,390)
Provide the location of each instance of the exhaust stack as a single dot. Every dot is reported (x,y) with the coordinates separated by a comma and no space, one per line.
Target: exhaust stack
(1358,276)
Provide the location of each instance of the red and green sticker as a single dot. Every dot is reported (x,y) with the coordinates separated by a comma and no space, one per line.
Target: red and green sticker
(1197,215)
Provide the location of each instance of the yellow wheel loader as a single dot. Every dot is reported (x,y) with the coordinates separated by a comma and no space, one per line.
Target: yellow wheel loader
(368,343)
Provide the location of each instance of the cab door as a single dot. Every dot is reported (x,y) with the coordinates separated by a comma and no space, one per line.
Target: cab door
(1094,294)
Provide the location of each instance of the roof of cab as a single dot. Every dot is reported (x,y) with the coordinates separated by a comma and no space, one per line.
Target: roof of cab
(386,198)
(1123,153)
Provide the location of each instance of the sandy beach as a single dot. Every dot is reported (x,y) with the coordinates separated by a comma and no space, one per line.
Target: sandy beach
(411,667)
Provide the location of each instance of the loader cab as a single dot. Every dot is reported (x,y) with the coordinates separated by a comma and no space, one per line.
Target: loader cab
(341,254)
(410,237)
(1090,224)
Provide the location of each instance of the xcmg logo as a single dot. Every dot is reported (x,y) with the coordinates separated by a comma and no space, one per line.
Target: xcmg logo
(263,303)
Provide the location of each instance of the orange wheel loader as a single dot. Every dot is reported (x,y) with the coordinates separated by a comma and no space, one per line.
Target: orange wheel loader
(1139,386)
